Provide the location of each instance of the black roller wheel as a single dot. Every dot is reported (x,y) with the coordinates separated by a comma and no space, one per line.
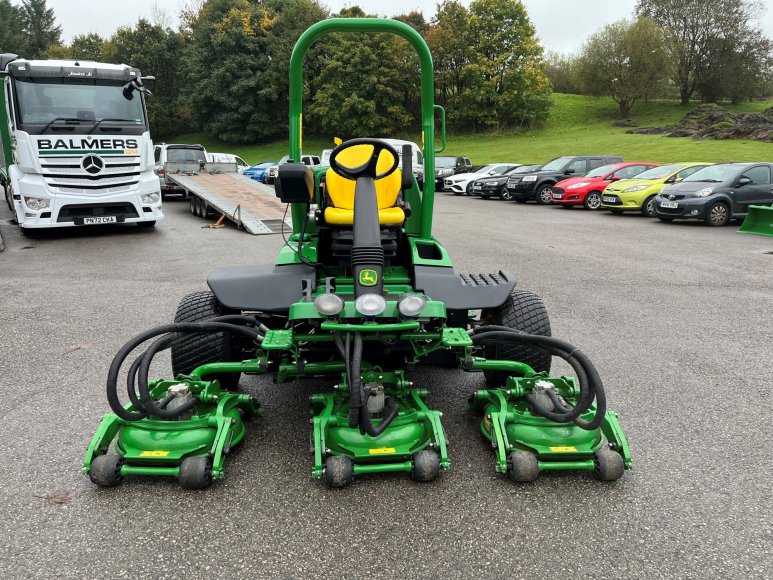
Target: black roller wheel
(505,194)
(106,470)
(648,207)
(544,194)
(146,225)
(426,465)
(609,465)
(592,201)
(524,311)
(339,471)
(193,350)
(195,473)
(717,215)
(522,466)
(192,204)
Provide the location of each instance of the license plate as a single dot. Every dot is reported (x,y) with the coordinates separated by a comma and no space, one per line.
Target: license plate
(110,219)
(669,204)
(607,199)
(558,196)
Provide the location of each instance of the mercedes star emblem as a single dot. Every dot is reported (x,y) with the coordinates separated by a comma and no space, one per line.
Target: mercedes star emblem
(92,164)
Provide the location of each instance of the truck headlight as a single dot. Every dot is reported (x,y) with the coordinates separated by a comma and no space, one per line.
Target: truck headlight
(329,304)
(36,203)
(370,304)
(411,304)
(150,197)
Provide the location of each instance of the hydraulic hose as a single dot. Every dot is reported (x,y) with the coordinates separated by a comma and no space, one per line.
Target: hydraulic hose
(591,386)
(214,325)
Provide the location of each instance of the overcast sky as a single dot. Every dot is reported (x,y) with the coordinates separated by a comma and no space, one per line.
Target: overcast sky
(562,25)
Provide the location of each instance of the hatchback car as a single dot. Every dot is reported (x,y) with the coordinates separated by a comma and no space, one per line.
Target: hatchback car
(258,171)
(638,193)
(496,185)
(446,166)
(461,183)
(718,193)
(586,190)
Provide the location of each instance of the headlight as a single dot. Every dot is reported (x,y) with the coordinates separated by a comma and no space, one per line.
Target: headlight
(36,203)
(370,304)
(576,185)
(411,304)
(706,191)
(635,188)
(150,198)
(328,304)
(529,178)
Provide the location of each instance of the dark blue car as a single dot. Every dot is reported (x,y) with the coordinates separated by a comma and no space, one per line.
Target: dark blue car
(258,171)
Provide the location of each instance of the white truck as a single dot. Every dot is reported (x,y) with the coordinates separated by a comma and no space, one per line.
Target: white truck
(75,148)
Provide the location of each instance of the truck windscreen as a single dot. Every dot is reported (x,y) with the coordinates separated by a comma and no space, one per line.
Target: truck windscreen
(46,105)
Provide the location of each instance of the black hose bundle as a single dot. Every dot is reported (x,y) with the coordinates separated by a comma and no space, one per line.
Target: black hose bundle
(591,386)
(139,369)
(358,399)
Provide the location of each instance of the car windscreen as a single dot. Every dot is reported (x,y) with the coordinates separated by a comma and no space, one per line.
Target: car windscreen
(714,173)
(527,169)
(445,161)
(556,164)
(184,155)
(47,105)
(658,172)
(485,169)
(602,171)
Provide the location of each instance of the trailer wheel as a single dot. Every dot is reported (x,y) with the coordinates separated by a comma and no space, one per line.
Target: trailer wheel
(192,205)
(524,311)
(191,351)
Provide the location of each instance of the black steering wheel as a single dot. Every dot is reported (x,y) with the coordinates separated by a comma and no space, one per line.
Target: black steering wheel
(367,169)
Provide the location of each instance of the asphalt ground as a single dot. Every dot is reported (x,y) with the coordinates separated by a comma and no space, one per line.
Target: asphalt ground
(678,318)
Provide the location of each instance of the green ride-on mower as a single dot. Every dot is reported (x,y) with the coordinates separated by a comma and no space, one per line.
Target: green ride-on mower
(360,295)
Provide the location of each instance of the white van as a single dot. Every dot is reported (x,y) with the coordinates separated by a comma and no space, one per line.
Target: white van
(418,157)
(241,164)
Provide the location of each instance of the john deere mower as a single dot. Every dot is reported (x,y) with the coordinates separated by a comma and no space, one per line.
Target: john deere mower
(359,296)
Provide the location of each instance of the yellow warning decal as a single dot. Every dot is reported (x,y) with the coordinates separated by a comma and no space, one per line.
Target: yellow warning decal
(563,449)
(381,450)
(154,453)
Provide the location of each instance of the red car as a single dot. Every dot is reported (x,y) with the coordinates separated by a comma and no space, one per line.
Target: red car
(586,190)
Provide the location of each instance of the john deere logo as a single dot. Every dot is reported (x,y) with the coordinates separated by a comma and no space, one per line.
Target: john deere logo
(368,277)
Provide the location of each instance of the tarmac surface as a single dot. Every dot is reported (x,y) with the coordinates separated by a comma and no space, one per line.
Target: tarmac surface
(678,318)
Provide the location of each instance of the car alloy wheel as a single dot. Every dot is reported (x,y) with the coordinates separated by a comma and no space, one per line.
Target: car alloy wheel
(719,215)
(504,194)
(593,200)
(545,195)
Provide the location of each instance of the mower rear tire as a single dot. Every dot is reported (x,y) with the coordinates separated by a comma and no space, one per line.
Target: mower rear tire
(106,470)
(609,465)
(426,465)
(195,473)
(191,351)
(339,471)
(522,466)
(524,311)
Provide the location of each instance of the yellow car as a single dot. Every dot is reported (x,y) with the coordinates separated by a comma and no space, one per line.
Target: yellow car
(638,193)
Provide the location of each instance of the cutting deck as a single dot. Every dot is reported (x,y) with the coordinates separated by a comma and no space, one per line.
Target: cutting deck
(218,189)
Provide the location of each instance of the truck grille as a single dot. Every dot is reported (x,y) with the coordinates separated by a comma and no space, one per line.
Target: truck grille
(67,175)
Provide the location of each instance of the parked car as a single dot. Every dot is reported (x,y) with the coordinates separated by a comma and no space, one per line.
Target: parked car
(175,153)
(310,160)
(494,185)
(446,166)
(718,193)
(258,171)
(241,164)
(638,193)
(462,182)
(538,185)
(586,190)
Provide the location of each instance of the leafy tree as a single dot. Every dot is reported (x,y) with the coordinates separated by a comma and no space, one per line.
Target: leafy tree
(11,35)
(561,70)
(39,26)
(87,46)
(624,60)
(448,40)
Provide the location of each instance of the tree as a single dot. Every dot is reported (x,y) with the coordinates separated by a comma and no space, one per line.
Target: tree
(696,28)
(624,60)
(561,70)
(11,35)
(87,46)
(39,26)
(448,40)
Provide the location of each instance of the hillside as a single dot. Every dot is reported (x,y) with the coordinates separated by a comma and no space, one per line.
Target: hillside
(577,125)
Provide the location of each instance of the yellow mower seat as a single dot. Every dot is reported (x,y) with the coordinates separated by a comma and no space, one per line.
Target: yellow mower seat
(341,190)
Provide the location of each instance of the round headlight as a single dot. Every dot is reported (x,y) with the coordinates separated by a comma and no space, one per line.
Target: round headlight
(411,304)
(328,304)
(370,304)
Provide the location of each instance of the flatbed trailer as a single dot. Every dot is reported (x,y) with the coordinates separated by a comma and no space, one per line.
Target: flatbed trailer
(217,189)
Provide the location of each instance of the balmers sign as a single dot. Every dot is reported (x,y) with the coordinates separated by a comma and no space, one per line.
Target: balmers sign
(85,144)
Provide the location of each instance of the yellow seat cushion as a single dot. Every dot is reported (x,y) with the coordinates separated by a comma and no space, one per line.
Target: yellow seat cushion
(341,190)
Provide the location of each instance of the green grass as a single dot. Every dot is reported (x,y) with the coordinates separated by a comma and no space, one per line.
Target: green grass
(577,125)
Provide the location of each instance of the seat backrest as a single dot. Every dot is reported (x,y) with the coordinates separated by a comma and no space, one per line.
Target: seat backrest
(341,189)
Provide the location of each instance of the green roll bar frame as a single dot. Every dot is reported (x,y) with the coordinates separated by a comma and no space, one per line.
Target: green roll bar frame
(370,25)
